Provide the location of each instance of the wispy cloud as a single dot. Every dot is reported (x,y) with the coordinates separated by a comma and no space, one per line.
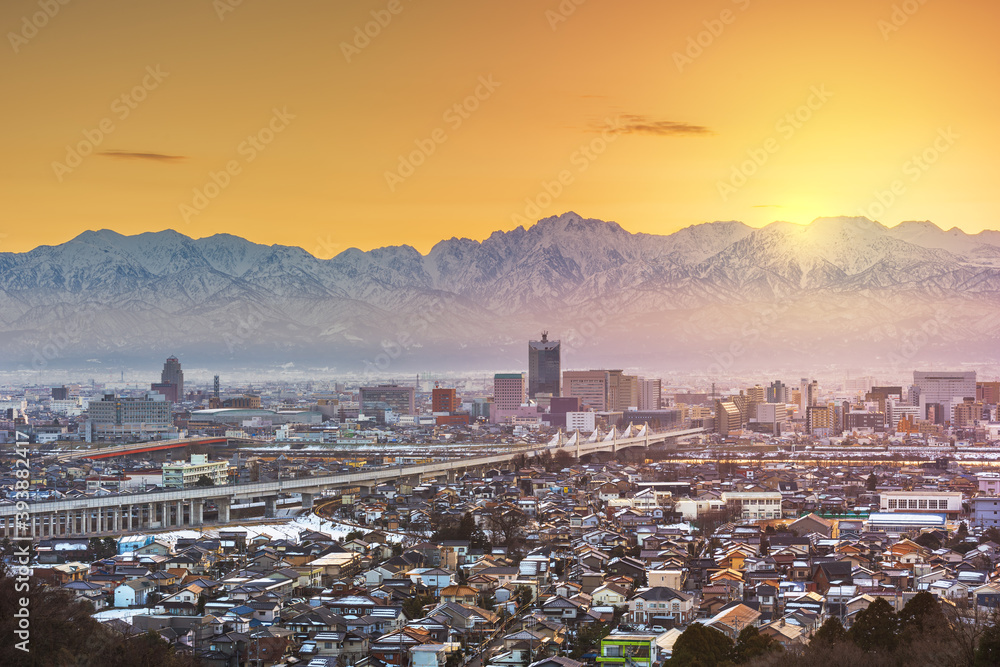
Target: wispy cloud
(132,155)
(638,124)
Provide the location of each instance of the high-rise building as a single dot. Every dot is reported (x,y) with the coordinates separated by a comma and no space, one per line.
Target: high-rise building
(113,416)
(757,394)
(509,391)
(394,397)
(987,393)
(967,413)
(60,393)
(591,387)
(820,419)
(777,392)
(444,399)
(544,366)
(727,418)
(939,391)
(623,391)
(808,394)
(173,374)
(650,394)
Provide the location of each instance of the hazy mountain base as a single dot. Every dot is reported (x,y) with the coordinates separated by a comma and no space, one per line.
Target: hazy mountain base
(714,299)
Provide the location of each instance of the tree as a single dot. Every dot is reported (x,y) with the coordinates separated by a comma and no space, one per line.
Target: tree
(563,459)
(830,633)
(751,644)
(928,540)
(875,628)
(506,525)
(872,482)
(63,634)
(201,604)
(110,547)
(523,595)
(204,481)
(988,651)
(991,534)
(700,646)
(920,615)
(413,606)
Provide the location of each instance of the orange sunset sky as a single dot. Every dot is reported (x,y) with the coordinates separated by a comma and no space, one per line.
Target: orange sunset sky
(311,120)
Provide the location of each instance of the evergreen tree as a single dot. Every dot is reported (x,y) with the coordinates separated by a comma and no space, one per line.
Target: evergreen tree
(751,644)
(830,633)
(876,628)
(988,651)
(700,646)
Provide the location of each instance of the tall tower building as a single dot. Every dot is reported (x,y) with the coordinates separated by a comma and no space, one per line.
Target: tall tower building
(777,392)
(544,366)
(171,383)
(650,394)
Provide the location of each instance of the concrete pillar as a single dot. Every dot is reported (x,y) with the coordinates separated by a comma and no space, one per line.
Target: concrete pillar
(117,516)
(197,512)
(307,500)
(180,512)
(150,516)
(270,506)
(101,516)
(223,505)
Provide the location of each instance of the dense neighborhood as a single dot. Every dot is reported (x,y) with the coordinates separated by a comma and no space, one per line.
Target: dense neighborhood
(551,563)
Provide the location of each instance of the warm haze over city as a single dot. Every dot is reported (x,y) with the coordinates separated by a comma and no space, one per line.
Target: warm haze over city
(523,333)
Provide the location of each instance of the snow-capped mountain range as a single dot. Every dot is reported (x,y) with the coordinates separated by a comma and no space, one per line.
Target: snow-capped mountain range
(714,297)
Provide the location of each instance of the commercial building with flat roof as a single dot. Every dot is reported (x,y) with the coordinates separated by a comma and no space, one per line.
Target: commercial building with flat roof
(186,474)
(914,502)
(388,397)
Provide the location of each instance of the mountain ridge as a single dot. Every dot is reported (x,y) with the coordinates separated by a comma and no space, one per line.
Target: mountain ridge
(845,286)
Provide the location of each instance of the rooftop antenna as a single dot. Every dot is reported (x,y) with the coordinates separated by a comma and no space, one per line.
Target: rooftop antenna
(545,336)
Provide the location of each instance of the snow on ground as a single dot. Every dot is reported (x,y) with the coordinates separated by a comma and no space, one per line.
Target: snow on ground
(121,614)
(288,530)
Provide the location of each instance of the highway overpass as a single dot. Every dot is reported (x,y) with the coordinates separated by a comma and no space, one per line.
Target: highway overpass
(183,508)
